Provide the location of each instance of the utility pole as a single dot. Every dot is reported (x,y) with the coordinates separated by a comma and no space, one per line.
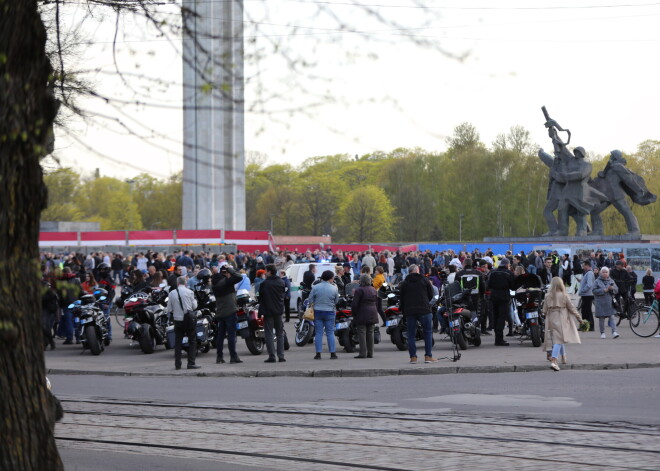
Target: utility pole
(460,228)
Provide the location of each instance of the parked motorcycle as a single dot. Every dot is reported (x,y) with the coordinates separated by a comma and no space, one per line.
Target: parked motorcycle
(304,327)
(463,321)
(145,319)
(528,297)
(88,313)
(251,327)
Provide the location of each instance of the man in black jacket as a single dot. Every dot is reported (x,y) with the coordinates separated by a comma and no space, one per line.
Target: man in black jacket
(309,277)
(547,272)
(271,307)
(225,311)
(416,293)
(500,282)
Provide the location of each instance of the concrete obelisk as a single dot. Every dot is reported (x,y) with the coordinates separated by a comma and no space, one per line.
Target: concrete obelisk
(213,106)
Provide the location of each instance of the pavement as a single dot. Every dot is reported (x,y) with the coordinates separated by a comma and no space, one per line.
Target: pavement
(126,359)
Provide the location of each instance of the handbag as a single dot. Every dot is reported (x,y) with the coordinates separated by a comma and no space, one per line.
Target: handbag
(309,312)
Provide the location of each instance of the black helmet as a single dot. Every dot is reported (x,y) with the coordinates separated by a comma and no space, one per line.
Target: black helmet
(204,274)
(103,266)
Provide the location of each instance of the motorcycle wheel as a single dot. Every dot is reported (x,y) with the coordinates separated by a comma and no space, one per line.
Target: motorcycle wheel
(477,337)
(535,334)
(345,341)
(92,340)
(147,341)
(254,344)
(460,341)
(303,334)
(399,338)
(205,348)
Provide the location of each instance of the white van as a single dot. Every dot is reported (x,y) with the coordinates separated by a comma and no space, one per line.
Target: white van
(295,274)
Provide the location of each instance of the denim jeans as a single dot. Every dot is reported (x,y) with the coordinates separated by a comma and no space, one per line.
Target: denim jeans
(106,313)
(610,321)
(558,349)
(227,328)
(426,320)
(324,320)
(67,328)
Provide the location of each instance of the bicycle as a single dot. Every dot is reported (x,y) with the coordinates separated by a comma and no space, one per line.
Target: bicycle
(645,320)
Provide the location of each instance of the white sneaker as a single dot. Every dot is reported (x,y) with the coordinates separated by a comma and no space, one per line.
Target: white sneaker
(603,336)
(615,335)
(657,336)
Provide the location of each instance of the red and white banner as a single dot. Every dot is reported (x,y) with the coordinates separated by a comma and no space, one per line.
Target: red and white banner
(198,237)
(150,237)
(249,241)
(94,239)
(58,239)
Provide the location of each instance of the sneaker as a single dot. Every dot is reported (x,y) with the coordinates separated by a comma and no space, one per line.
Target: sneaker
(563,359)
(194,367)
(656,336)
(281,360)
(615,335)
(219,360)
(554,364)
(603,336)
(270,360)
(236,360)
(413,360)
(429,359)
(333,356)
(317,356)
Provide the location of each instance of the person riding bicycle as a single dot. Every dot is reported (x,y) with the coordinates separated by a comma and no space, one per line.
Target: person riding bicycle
(622,279)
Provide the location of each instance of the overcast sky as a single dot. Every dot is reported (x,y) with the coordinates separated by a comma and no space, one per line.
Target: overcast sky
(594,64)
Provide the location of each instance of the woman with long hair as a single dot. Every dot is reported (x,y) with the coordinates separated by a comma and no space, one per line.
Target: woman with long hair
(561,322)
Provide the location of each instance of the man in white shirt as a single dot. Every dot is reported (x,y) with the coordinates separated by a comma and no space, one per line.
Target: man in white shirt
(182,304)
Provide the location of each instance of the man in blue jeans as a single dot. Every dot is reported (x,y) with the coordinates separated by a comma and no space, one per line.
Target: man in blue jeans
(324,296)
(416,293)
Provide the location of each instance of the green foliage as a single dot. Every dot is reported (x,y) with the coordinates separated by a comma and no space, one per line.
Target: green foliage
(366,215)
(407,195)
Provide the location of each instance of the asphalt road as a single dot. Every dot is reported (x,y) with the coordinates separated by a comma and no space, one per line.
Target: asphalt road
(343,423)
(617,395)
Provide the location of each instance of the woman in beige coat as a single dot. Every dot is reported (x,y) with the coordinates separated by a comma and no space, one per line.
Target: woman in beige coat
(561,321)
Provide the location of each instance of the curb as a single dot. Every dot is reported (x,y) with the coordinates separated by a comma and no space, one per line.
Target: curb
(362,373)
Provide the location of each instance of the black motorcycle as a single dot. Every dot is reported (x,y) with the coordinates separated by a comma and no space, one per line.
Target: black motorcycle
(145,319)
(528,299)
(462,319)
(88,313)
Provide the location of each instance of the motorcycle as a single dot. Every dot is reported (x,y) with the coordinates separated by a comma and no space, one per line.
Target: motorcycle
(528,296)
(463,322)
(251,327)
(146,321)
(93,324)
(397,324)
(304,327)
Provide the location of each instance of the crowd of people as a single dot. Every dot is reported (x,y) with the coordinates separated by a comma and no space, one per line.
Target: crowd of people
(420,275)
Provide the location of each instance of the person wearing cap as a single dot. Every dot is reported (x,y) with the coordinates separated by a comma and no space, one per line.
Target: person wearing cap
(500,283)
(181,303)
(224,290)
(324,297)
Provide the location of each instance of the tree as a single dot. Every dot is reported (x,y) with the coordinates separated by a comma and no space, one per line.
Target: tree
(27,112)
(158,202)
(109,201)
(465,137)
(367,215)
(62,187)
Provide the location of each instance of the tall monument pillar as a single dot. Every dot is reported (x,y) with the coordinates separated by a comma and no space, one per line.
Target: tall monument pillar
(213,122)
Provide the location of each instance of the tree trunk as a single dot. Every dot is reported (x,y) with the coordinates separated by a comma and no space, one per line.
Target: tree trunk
(27,111)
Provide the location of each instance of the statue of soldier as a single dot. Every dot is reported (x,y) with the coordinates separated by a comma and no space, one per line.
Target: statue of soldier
(568,188)
(616,181)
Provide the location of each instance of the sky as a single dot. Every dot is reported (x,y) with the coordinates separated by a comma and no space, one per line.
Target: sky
(593,64)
